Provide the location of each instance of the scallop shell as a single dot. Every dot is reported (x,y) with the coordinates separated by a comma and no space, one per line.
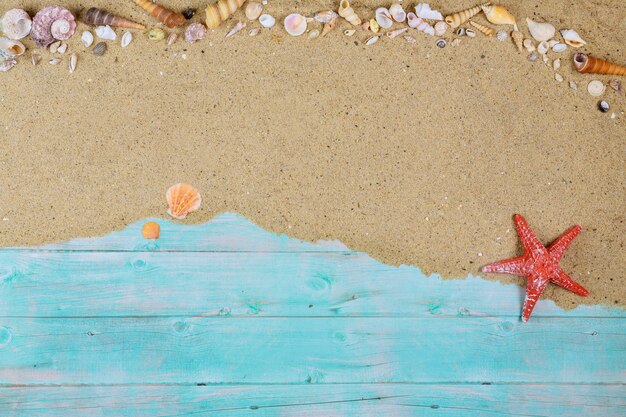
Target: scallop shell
(394,33)
(457,19)
(596,88)
(559,47)
(151,231)
(295,24)
(106,32)
(383,18)
(592,65)
(52,23)
(195,32)
(87,39)
(182,199)
(372,40)
(216,13)
(99,17)
(164,15)
(10,48)
(572,38)
(7,65)
(498,14)
(483,29)
(267,21)
(397,12)
(540,31)
(326,16)
(15,24)
(441,28)
(127,38)
(100,49)
(253,10)
(424,11)
(348,13)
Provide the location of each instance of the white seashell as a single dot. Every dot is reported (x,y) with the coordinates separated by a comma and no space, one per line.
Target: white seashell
(54,61)
(15,24)
(35,58)
(10,48)
(372,40)
(502,35)
(106,33)
(572,38)
(383,18)
(460,31)
(295,24)
(6,65)
(73,61)
(596,88)
(412,20)
(558,77)
(424,11)
(253,10)
(253,32)
(456,42)
(267,21)
(410,39)
(543,47)
(314,33)
(62,49)
(441,28)
(552,42)
(573,85)
(349,32)
(559,47)
(87,39)
(397,12)
(393,33)
(54,46)
(235,29)
(60,29)
(540,31)
(528,44)
(556,65)
(326,16)
(127,38)
(470,33)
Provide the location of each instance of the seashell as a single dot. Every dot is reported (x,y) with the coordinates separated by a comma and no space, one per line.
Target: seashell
(54,46)
(100,49)
(189,12)
(254,32)
(423,26)
(182,199)
(366,25)
(15,24)
(87,39)
(457,19)
(35,58)
(591,65)
(498,15)
(572,38)
(6,65)
(616,85)
(233,31)
(483,29)
(412,20)
(410,39)
(330,26)
(440,28)
(540,31)
(393,33)
(441,43)
(471,33)
(383,18)
(543,47)
(195,32)
(552,42)
(164,15)
(54,61)
(127,38)
(348,13)
(349,32)
(171,38)
(397,12)
(372,40)
(99,17)
(151,230)
(295,24)
(314,33)
(156,34)
(374,26)
(528,44)
(217,13)
(106,33)
(326,16)
(460,31)
(73,62)
(558,77)
(424,11)
(573,85)
(559,47)
(596,88)
(517,38)
(10,48)
(52,23)
(267,21)
(603,106)
(253,10)
(556,65)
(534,56)
(62,48)
(502,35)
(544,58)
(455,42)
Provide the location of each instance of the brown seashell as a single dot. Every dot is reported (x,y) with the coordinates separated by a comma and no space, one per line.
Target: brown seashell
(483,29)
(98,17)
(518,39)
(218,12)
(590,65)
(182,199)
(100,48)
(164,15)
(498,14)
(330,26)
(457,19)
(151,230)
(348,13)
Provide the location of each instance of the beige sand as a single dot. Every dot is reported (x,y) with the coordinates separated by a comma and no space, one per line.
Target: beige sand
(413,154)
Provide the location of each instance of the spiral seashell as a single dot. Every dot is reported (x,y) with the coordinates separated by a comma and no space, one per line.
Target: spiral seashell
(195,32)
(498,15)
(440,28)
(420,24)
(348,13)
(518,39)
(10,48)
(253,10)
(164,15)
(395,33)
(217,13)
(151,231)
(52,23)
(457,19)
(99,17)
(182,199)
(483,29)
(15,24)
(295,24)
(590,65)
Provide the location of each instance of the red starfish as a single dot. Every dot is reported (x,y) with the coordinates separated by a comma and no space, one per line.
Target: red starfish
(539,264)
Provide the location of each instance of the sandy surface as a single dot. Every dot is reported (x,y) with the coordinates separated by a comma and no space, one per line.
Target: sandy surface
(414,154)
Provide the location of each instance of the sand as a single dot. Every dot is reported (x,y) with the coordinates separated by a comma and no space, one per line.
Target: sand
(413,154)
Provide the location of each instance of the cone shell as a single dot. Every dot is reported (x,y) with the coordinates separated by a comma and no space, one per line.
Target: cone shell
(348,13)
(518,39)
(151,230)
(51,24)
(497,14)
(98,17)
(457,19)
(590,65)
(483,29)
(182,199)
(15,24)
(217,13)
(164,15)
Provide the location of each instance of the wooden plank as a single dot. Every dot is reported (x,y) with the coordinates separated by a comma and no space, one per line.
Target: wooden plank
(311,350)
(81,284)
(396,400)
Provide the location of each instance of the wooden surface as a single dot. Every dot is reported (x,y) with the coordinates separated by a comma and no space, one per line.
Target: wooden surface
(225,318)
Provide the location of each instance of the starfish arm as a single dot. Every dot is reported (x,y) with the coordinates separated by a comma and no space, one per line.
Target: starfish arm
(513,266)
(534,288)
(530,242)
(562,279)
(558,247)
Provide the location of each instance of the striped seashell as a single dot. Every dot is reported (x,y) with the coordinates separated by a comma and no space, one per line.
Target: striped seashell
(217,13)
(100,48)
(590,65)
(348,13)
(164,15)
(182,199)
(98,17)
(483,29)
(457,19)
(420,24)
(498,15)
(52,23)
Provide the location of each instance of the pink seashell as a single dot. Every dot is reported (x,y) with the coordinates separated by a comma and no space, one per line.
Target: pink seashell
(52,23)
(195,32)
(15,24)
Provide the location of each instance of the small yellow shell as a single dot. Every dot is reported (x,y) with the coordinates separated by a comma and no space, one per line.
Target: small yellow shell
(374,26)
(156,34)
(498,15)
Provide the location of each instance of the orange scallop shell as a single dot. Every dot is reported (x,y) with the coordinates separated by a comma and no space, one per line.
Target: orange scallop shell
(151,230)
(182,199)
